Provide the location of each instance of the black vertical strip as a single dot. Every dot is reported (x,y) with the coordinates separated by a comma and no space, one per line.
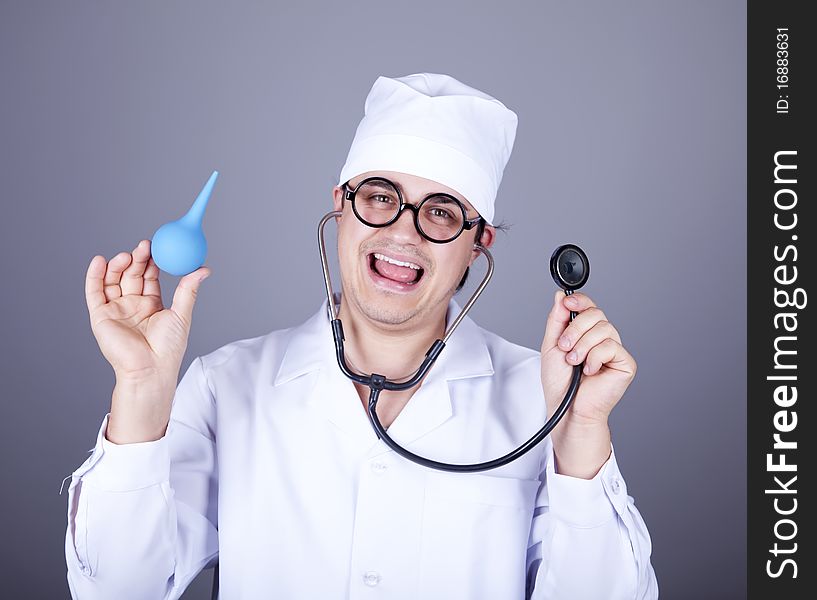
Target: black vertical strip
(781,334)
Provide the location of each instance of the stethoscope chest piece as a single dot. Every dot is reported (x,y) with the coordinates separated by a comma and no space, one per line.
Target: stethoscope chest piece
(569,267)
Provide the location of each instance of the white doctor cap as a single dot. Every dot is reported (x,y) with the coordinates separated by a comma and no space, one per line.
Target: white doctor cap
(433,126)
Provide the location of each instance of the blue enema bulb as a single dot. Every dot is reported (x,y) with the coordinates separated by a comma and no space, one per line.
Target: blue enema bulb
(179,247)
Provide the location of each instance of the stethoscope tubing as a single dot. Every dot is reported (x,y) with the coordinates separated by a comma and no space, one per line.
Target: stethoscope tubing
(377,383)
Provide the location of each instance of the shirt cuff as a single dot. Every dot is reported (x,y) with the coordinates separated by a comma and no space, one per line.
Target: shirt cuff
(126,467)
(586,502)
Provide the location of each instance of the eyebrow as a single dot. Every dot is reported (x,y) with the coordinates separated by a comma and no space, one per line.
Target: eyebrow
(382,185)
(447,199)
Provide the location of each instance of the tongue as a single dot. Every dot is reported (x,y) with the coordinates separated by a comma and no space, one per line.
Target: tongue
(395,272)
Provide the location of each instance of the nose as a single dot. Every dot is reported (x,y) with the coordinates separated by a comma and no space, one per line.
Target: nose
(403,229)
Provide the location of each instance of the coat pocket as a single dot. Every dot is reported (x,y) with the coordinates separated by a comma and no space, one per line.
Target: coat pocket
(475,534)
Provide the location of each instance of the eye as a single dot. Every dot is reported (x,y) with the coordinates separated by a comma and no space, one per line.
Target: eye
(441,210)
(439,213)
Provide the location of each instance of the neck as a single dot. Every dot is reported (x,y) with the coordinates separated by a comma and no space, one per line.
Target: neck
(393,351)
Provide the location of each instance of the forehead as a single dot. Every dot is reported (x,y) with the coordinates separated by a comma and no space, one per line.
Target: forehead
(413,186)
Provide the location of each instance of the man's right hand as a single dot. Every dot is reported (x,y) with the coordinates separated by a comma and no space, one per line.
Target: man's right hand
(143,341)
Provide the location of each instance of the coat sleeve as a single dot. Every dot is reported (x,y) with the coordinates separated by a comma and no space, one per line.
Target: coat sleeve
(587,539)
(142,518)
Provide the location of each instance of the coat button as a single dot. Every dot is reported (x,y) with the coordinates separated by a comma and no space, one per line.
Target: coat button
(615,485)
(371,578)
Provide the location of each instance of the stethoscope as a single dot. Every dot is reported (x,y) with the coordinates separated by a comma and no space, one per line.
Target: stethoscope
(570,270)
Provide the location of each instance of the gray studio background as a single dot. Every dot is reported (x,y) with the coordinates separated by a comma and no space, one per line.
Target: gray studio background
(631,143)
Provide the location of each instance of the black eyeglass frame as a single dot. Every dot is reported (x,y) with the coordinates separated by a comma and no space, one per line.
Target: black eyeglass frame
(467,224)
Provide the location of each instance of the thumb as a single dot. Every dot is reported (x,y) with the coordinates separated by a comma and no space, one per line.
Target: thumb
(184,298)
(557,322)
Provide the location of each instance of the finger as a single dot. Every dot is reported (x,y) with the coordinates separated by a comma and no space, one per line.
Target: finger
(114,274)
(580,325)
(132,276)
(151,285)
(578,302)
(184,298)
(593,337)
(557,320)
(94,294)
(611,355)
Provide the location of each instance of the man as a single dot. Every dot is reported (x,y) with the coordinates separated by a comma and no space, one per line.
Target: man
(265,461)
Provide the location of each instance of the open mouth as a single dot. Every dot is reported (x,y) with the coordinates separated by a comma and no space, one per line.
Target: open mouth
(395,273)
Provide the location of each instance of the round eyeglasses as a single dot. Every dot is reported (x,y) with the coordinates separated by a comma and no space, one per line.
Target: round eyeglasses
(439,218)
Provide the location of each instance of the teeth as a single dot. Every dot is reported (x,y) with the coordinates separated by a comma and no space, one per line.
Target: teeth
(399,263)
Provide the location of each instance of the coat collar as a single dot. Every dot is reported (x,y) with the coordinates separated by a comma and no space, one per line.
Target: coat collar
(310,348)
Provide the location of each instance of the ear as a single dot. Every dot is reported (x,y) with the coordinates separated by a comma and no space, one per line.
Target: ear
(488,236)
(337,201)
(486,241)
(337,198)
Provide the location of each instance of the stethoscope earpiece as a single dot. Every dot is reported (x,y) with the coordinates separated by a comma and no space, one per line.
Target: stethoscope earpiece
(569,267)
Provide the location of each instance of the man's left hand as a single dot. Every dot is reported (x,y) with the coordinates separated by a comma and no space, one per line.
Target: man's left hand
(581,440)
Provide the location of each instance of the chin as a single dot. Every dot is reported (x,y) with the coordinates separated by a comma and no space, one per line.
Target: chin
(387,315)
(383,306)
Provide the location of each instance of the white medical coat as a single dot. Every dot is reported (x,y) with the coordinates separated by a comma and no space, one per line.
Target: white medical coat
(270,467)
